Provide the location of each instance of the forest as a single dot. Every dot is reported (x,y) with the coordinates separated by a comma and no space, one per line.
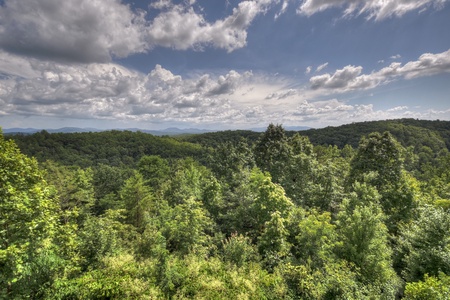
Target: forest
(358,211)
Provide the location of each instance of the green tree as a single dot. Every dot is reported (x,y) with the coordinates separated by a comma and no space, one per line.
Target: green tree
(269,198)
(107,182)
(186,226)
(261,198)
(381,156)
(364,240)
(101,237)
(238,250)
(431,288)
(272,152)
(273,243)
(117,277)
(28,216)
(228,160)
(377,153)
(154,169)
(315,239)
(138,201)
(187,180)
(75,189)
(424,244)
(84,196)
(252,204)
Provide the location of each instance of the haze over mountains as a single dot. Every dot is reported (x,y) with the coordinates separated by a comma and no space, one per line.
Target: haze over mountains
(167,131)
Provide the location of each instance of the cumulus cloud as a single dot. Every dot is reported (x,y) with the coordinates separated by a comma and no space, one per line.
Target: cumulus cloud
(337,112)
(227,84)
(398,108)
(110,91)
(107,91)
(97,31)
(377,10)
(231,32)
(341,79)
(350,78)
(83,31)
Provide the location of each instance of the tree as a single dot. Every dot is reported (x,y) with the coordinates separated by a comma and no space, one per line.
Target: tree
(107,182)
(272,152)
(228,160)
(436,288)
(74,187)
(252,204)
(273,243)
(364,240)
(138,201)
(315,239)
(269,198)
(424,244)
(187,180)
(377,153)
(100,237)
(186,226)
(380,156)
(238,250)
(28,216)
(154,169)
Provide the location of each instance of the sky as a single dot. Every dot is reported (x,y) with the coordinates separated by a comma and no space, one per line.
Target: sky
(222,64)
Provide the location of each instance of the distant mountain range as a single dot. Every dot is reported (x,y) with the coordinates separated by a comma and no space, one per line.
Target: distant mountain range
(168,131)
(34,130)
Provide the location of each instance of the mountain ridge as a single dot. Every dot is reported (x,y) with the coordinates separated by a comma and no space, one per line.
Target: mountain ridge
(171,131)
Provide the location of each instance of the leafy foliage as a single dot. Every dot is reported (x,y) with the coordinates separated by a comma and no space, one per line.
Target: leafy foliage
(28,217)
(238,215)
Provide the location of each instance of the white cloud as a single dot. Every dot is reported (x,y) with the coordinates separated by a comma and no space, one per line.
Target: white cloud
(98,30)
(161,4)
(232,99)
(398,108)
(178,28)
(231,32)
(341,79)
(110,91)
(428,64)
(283,9)
(308,70)
(319,108)
(378,10)
(350,78)
(321,67)
(83,31)
(397,56)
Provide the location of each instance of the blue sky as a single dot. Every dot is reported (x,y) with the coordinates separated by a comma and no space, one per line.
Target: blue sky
(222,64)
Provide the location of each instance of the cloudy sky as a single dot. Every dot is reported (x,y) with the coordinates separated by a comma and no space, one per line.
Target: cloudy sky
(222,64)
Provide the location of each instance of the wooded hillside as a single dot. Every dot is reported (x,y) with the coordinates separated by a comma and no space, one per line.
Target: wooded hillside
(280,215)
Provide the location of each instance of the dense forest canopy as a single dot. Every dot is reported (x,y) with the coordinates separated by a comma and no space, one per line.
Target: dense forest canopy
(352,212)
